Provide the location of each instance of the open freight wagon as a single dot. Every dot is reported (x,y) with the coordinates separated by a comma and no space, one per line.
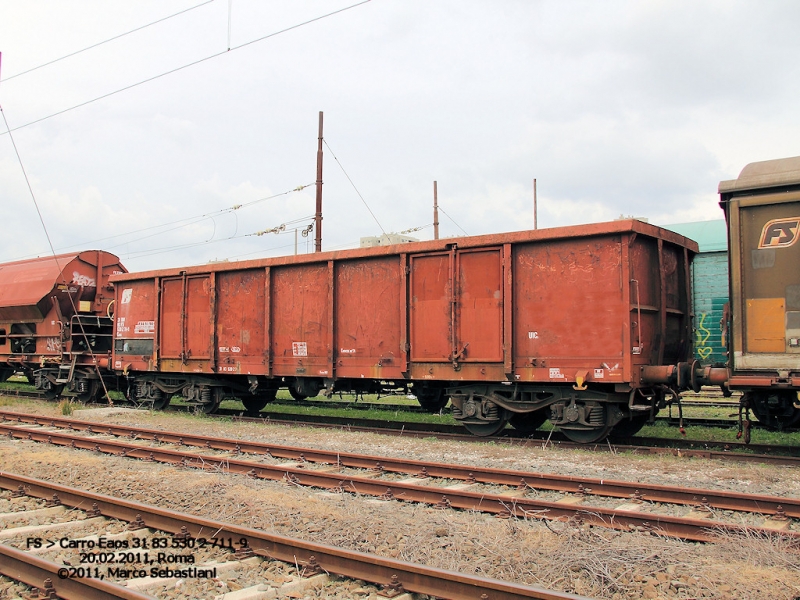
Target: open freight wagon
(519,327)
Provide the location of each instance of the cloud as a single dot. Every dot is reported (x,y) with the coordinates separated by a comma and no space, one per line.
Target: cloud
(615,108)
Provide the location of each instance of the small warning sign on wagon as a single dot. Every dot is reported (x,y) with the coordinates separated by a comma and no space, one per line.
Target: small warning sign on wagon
(299,349)
(144,327)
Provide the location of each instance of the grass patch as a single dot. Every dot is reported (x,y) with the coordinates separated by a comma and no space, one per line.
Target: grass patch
(345,411)
(16,382)
(720,435)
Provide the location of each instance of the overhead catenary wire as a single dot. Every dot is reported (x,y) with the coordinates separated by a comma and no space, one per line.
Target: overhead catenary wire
(354,186)
(111,39)
(164,250)
(55,256)
(453,220)
(179,224)
(30,188)
(186,66)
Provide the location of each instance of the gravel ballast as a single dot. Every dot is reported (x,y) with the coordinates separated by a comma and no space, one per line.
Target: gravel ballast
(563,556)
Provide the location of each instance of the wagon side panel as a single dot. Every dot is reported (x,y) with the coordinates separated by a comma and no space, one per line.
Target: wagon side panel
(571,310)
(430,300)
(480,306)
(368,331)
(135,320)
(240,319)
(301,320)
(766,287)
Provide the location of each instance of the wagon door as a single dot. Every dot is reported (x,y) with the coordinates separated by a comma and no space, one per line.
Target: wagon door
(240,322)
(186,324)
(479,316)
(431,292)
(457,306)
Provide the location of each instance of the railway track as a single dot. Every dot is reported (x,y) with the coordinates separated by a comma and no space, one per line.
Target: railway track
(672,419)
(757,453)
(360,406)
(614,504)
(159,547)
(706,449)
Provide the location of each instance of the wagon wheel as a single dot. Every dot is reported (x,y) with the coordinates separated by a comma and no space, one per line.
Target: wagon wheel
(486,429)
(775,421)
(588,435)
(253,404)
(431,399)
(295,394)
(630,427)
(162,402)
(528,422)
(90,395)
(54,391)
(209,408)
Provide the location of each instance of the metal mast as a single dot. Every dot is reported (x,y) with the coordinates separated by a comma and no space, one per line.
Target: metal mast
(318,214)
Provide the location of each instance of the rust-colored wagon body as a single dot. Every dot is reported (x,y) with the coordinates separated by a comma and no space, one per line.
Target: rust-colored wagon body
(53,315)
(552,323)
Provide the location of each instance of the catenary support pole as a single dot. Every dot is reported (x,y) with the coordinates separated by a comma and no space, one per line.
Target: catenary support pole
(318,214)
(435,213)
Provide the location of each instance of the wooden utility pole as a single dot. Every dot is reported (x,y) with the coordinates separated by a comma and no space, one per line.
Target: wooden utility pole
(535,219)
(318,214)
(435,213)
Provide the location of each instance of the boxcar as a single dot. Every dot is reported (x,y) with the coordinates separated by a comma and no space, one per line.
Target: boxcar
(762,208)
(519,327)
(54,325)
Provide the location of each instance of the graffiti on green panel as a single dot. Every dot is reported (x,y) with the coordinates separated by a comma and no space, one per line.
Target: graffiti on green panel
(708,346)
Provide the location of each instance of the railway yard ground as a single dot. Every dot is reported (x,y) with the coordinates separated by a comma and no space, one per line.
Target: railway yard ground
(566,556)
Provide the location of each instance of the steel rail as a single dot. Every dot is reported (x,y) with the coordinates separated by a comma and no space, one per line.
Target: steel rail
(695,529)
(43,574)
(758,453)
(713,450)
(705,498)
(346,563)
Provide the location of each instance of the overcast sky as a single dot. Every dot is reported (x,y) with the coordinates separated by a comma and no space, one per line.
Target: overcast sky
(634,108)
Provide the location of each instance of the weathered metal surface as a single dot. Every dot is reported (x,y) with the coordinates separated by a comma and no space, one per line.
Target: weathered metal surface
(570,303)
(26,286)
(135,324)
(762,208)
(430,307)
(479,316)
(766,283)
(43,574)
(368,324)
(39,299)
(456,303)
(301,310)
(548,305)
(186,323)
(239,322)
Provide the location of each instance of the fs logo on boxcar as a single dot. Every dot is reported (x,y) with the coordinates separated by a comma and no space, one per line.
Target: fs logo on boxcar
(780,233)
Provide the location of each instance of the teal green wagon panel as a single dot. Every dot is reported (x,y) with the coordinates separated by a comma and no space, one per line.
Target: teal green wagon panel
(710,284)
